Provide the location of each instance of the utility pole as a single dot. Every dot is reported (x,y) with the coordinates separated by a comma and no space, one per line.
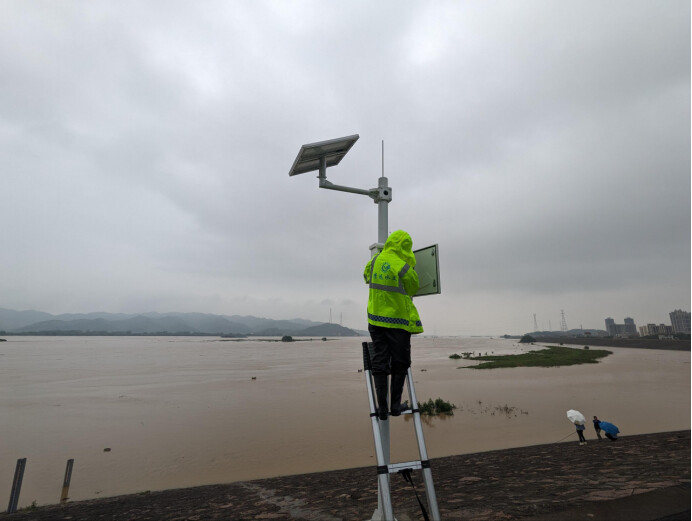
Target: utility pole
(320,156)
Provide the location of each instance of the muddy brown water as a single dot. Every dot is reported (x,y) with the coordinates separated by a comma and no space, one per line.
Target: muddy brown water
(185,411)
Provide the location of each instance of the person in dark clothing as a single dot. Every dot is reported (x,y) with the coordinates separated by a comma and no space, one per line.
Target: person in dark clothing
(580,432)
(597,427)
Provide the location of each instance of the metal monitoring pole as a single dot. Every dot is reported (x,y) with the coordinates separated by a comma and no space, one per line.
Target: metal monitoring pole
(319,156)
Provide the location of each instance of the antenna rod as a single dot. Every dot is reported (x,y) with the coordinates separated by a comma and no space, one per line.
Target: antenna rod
(382,158)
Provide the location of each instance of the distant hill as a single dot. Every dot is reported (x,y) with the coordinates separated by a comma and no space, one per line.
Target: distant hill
(11,319)
(328,330)
(27,322)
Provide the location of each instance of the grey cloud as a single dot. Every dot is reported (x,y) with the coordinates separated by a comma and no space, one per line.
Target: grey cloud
(544,147)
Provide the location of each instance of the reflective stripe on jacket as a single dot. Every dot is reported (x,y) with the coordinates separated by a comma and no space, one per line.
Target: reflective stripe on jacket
(393,282)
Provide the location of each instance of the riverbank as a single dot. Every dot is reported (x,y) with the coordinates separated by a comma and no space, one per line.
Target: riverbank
(637,343)
(638,478)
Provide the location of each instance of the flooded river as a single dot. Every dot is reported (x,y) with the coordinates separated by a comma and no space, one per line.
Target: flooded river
(150,413)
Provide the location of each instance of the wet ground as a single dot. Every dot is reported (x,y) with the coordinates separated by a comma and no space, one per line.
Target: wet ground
(637,478)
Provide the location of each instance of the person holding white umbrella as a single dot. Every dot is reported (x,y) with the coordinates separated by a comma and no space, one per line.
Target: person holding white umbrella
(580,432)
(578,419)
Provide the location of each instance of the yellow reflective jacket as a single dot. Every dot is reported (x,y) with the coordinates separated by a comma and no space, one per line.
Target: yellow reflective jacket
(393,282)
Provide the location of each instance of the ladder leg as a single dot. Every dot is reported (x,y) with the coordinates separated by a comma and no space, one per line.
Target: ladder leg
(385,499)
(427,473)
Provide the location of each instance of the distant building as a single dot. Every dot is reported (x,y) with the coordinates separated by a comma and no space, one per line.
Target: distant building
(610,327)
(660,330)
(680,321)
(628,329)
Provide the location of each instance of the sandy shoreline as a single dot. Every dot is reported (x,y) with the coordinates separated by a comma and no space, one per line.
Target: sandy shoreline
(186,412)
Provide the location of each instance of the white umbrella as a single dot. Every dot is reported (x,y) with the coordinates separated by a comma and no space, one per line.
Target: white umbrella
(576,417)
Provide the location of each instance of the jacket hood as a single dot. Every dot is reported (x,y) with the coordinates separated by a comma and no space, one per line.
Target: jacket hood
(400,244)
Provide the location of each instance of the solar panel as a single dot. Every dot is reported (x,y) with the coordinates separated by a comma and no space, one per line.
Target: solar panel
(310,156)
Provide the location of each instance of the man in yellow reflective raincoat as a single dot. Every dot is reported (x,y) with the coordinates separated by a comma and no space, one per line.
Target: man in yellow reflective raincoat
(392,317)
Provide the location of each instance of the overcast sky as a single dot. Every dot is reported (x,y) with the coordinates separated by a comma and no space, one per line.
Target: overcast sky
(545,146)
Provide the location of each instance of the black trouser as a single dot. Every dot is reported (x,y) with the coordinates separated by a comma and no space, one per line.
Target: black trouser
(581,435)
(391,353)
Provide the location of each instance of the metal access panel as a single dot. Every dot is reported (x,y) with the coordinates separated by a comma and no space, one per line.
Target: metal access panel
(428,270)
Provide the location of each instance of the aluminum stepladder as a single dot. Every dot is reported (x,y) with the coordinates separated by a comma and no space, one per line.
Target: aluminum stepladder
(380,430)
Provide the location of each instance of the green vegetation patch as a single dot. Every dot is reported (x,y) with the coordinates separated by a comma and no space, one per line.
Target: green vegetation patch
(436,407)
(553,356)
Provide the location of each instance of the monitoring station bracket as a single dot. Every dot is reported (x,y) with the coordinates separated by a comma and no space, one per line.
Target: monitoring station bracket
(320,156)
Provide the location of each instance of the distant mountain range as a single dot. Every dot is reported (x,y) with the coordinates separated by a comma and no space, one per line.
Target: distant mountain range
(38,322)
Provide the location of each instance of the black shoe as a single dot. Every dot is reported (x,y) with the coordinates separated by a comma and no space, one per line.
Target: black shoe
(382,413)
(402,409)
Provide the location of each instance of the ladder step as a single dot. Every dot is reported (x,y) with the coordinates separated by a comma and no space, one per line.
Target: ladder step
(398,467)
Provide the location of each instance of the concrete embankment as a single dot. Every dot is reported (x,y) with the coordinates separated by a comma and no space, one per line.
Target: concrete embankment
(637,478)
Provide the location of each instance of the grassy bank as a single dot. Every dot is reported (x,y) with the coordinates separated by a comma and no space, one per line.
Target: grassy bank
(549,357)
